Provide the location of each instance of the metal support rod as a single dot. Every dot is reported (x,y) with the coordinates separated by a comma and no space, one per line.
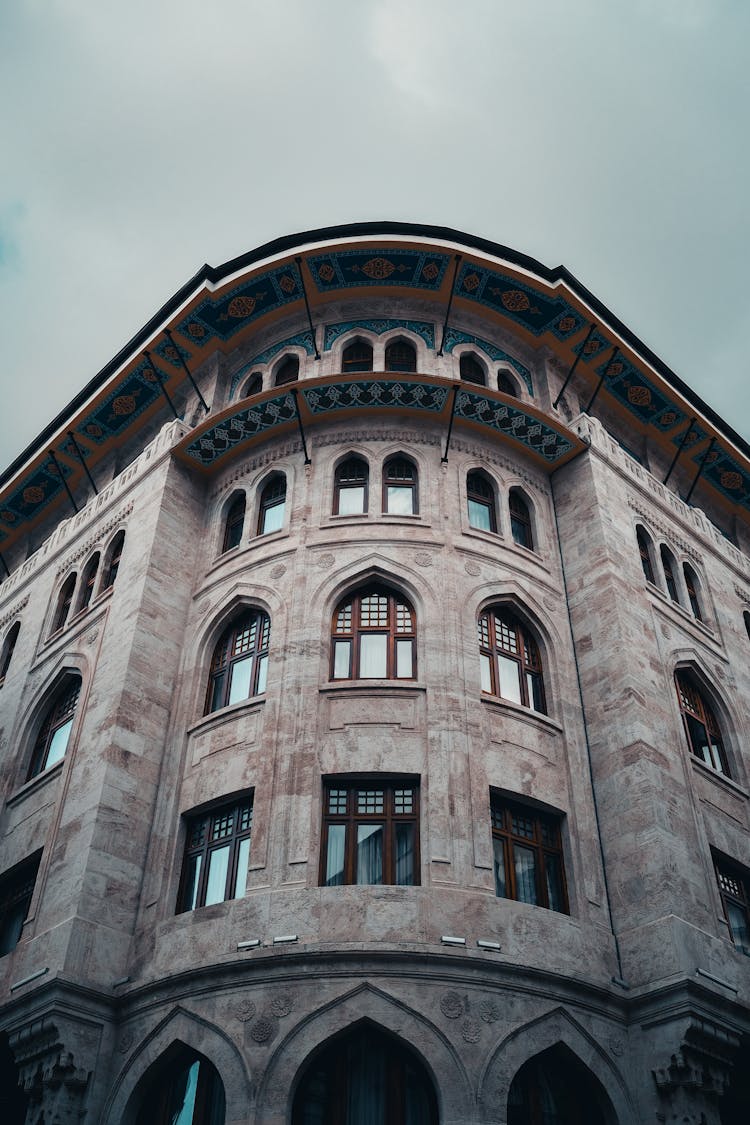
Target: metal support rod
(5,566)
(157,376)
(444,458)
(680,448)
(299,423)
(185,368)
(62,478)
(79,454)
(450,303)
(298,261)
(601,380)
(569,376)
(711,444)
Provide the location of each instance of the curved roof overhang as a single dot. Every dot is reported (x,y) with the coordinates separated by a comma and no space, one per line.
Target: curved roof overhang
(223,306)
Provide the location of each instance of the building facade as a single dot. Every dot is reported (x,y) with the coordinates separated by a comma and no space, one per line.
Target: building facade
(374,689)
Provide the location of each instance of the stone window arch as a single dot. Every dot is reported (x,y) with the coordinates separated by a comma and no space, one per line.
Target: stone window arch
(694,592)
(374,636)
(400,355)
(253,385)
(351,486)
(646,552)
(112,560)
(521,527)
(554,1088)
(287,371)
(506,382)
(272,504)
(9,644)
(510,660)
(88,582)
(702,729)
(182,1089)
(51,742)
(400,486)
(669,567)
(64,602)
(481,497)
(239,664)
(357,356)
(472,370)
(234,521)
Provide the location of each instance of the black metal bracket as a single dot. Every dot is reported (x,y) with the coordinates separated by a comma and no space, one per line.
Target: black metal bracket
(56,463)
(298,263)
(680,448)
(79,454)
(569,376)
(450,303)
(444,458)
(157,376)
(711,444)
(603,376)
(294,393)
(186,369)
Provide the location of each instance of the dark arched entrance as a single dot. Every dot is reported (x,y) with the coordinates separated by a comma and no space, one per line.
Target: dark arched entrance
(365,1077)
(183,1088)
(554,1088)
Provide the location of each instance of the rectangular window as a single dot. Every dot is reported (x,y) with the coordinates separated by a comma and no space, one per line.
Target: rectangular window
(370,834)
(480,516)
(527,852)
(352,500)
(16,889)
(216,855)
(734,888)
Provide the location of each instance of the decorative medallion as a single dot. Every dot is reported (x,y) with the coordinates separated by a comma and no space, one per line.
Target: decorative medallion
(91,639)
(33,494)
(245,1010)
(472,568)
(263,1029)
(326,272)
(378,268)
(123,404)
(282,1005)
(278,572)
(668,419)
(616,1045)
(451,1005)
(489,1011)
(287,283)
(471,282)
(430,271)
(423,558)
(197,331)
(470,1031)
(241,306)
(566,324)
(617,368)
(639,396)
(94,430)
(731,480)
(515,301)
(325,561)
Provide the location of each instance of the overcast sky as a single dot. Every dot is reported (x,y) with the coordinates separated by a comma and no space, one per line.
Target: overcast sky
(142,139)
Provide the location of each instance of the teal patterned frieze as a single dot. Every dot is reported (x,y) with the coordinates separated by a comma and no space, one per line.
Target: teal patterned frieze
(375,393)
(342,269)
(725,474)
(638,394)
(301,340)
(420,328)
(454,337)
(34,494)
(242,425)
(225,315)
(519,302)
(514,423)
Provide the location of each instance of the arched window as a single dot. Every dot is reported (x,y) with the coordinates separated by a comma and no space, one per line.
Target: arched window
(7,654)
(400,356)
(645,550)
(350,487)
(52,740)
(234,523)
(64,600)
(112,566)
(272,504)
(505,384)
(691,585)
(481,500)
(472,370)
(88,581)
(185,1091)
(668,565)
(365,1077)
(701,726)
(400,486)
(287,371)
(253,386)
(373,637)
(520,520)
(554,1088)
(510,663)
(357,356)
(239,664)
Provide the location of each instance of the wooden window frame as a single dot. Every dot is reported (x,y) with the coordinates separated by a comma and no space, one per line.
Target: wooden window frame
(486,499)
(60,711)
(234,523)
(411,482)
(16,891)
(692,586)
(644,550)
(733,881)
(287,371)
(115,555)
(342,483)
(352,362)
(520,520)
(390,786)
(693,705)
(406,366)
(670,579)
(88,582)
(233,648)
(64,602)
(270,499)
(545,841)
(524,652)
(9,644)
(397,603)
(206,833)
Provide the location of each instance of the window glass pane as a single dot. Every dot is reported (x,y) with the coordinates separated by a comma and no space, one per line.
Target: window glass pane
(534,688)
(373,656)
(262,674)
(553,874)
(479,515)
(59,744)
(715,756)
(404,664)
(218,864)
(501,886)
(273,518)
(400,501)
(341,659)
(239,688)
(240,880)
(183,1104)
(738,924)
(217,692)
(525,865)
(510,683)
(192,879)
(699,739)
(486,672)
(369,853)
(405,855)
(335,855)
(351,501)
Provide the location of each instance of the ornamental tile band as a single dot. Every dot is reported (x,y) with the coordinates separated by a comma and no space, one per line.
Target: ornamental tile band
(226,435)
(402,395)
(519,302)
(343,269)
(420,328)
(526,429)
(226,315)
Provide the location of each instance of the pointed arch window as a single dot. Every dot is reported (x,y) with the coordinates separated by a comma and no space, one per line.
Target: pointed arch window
(645,551)
(400,486)
(115,554)
(234,523)
(54,734)
(253,386)
(691,585)
(472,369)
(511,666)
(88,581)
(187,1091)
(7,653)
(272,505)
(357,356)
(668,566)
(64,602)
(505,384)
(400,356)
(350,487)
(520,520)
(553,1088)
(480,496)
(373,637)
(701,725)
(287,371)
(239,664)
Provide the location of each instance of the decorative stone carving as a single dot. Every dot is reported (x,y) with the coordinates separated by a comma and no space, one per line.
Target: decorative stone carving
(489,1011)
(325,561)
(697,1074)
(127,1039)
(53,1083)
(278,572)
(451,1005)
(470,1031)
(472,568)
(245,1010)
(423,558)
(263,1029)
(282,1005)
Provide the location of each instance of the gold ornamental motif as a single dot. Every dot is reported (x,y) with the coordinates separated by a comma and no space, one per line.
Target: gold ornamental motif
(471,282)
(566,324)
(669,418)
(197,331)
(326,272)
(430,271)
(515,301)
(287,283)
(378,268)
(33,494)
(615,368)
(241,306)
(731,480)
(123,404)
(639,396)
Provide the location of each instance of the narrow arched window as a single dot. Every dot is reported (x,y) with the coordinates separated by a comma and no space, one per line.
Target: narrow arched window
(400,486)
(239,665)
(400,356)
(357,356)
(701,725)
(746,619)
(373,637)
(234,523)
(691,585)
(113,565)
(185,1091)
(520,520)
(287,371)
(350,487)
(471,369)
(506,384)
(480,496)
(644,549)
(253,386)
(272,504)
(511,666)
(64,601)
(668,565)
(52,740)
(8,646)
(88,581)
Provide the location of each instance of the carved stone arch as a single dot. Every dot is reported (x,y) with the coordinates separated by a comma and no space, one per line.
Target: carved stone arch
(356,335)
(366,1002)
(718,695)
(504,370)
(239,597)
(180,1028)
(525,604)
(35,708)
(401,577)
(554,1028)
(398,335)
